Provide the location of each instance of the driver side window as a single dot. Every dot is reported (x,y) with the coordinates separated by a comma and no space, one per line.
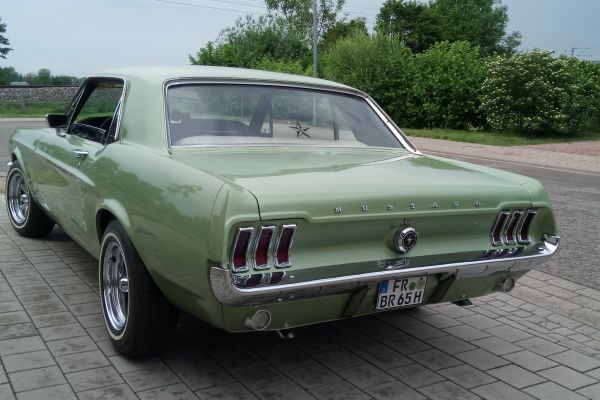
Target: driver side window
(96,115)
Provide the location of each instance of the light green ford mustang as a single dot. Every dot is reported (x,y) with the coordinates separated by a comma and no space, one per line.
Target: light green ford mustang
(257,200)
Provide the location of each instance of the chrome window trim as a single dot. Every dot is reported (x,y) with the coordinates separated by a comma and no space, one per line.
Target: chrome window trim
(392,126)
(321,88)
(245,268)
(289,249)
(266,266)
(120,104)
(119,114)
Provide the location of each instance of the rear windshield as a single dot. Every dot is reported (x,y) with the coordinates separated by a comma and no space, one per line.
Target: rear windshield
(207,114)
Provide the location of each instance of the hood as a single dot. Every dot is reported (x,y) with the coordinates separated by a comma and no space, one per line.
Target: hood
(323,183)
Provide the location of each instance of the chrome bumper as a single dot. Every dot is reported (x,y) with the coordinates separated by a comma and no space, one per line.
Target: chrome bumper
(228,293)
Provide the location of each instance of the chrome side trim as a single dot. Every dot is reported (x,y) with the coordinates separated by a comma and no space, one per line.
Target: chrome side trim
(226,292)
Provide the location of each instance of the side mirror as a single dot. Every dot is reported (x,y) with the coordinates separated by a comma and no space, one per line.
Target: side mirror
(56,120)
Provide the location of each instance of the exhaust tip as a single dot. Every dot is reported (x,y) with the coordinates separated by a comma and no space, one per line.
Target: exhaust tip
(260,320)
(507,285)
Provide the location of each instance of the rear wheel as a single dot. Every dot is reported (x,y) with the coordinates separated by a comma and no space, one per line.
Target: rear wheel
(139,319)
(26,217)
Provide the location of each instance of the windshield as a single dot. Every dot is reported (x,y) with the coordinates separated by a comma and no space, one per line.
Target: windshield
(207,114)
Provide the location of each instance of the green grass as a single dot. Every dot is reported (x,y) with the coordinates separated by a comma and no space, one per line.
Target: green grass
(31,110)
(500,138)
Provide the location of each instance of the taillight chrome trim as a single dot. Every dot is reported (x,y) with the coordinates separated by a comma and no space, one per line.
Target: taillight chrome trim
(288,263)
(257,239)
(523,235)
(245,267)
(512,228)
(499,228)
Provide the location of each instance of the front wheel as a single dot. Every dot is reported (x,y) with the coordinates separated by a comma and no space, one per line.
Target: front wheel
(139,319)
(26,217)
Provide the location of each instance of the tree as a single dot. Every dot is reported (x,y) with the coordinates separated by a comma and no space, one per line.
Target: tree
(480,22)
(65,80)
(44,77)
(299,13)
(8,75)
(412,23)
(4,43)
(378,65)
(537,93)
(446,87)
(342,29)
(253,39)
(287,66)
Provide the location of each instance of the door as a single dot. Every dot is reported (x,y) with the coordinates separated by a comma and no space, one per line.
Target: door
(71,154)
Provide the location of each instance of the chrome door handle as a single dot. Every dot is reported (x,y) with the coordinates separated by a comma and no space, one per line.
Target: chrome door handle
(80,153)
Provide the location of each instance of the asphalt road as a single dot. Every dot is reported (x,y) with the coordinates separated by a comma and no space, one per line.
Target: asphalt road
(7,127)
(576,201)
(575,196)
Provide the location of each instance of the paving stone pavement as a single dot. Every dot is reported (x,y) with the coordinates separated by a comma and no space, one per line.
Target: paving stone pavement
(540,341)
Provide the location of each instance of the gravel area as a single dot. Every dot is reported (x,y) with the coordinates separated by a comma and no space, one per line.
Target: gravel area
(575,156)
(588,148)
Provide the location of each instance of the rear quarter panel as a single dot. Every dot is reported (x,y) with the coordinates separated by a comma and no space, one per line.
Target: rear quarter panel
(165,208)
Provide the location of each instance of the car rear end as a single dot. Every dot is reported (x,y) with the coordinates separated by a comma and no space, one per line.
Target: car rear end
(282,273)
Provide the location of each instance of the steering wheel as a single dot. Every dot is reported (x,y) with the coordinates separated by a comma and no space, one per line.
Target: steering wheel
(106,124)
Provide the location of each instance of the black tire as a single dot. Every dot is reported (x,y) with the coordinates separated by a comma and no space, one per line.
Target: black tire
(149,318)
(26,217)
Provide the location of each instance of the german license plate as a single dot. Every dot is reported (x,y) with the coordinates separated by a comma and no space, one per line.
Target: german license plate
(401,292)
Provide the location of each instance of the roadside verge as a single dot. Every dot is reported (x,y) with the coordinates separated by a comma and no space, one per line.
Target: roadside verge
(529,155)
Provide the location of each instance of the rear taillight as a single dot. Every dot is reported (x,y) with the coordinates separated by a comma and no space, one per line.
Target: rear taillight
(498,230)
(284,244)
(261,251)
(512,227)
(523,235)
(258,251)
(239,259)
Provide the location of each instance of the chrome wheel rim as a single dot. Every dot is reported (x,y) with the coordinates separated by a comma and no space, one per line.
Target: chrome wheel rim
(115,286)
(18,198)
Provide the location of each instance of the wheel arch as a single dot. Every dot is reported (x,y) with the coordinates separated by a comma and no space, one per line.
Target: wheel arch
(111,210)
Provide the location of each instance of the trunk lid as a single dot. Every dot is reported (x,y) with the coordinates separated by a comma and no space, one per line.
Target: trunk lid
(321,184)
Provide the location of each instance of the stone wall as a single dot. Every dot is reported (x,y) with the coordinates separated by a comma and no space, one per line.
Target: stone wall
(36,94)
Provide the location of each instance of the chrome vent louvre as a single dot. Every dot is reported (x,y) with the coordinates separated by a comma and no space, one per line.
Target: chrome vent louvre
(512,227)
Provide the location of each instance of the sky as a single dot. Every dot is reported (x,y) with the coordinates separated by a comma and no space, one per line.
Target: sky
(82,37)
